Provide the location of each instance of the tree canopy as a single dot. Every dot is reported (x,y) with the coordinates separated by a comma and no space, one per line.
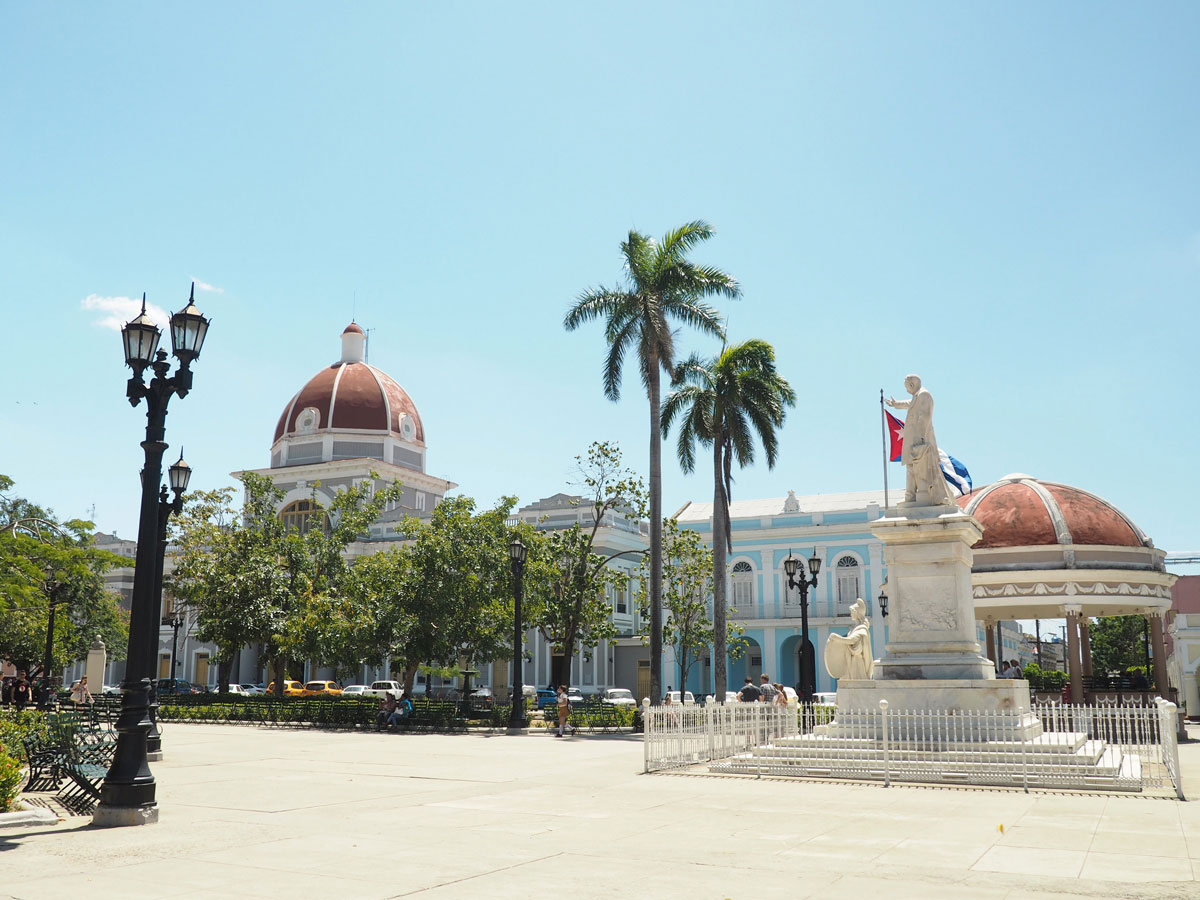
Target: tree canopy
(44,561)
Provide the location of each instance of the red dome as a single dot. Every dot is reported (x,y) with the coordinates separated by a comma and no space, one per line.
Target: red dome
(1020,511)
(353,395)
(352,328)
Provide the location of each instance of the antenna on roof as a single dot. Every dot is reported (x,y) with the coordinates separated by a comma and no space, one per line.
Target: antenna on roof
(367,332)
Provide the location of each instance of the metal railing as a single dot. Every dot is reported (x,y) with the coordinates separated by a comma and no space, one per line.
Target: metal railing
(1052,745)
(676,736)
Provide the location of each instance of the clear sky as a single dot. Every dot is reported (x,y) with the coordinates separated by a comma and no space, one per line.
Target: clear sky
(1002,198)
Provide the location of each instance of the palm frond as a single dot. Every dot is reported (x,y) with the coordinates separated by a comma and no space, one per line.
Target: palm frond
(592,304)
(677,242)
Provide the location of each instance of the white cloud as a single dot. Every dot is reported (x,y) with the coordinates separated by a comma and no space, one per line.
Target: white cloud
(114,312)
(205,286)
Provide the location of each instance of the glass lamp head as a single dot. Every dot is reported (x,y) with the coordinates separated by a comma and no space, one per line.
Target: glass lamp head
(140,338)
(188,330)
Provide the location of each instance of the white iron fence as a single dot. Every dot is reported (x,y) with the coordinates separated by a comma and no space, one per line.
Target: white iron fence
(1110,747)
(683,735)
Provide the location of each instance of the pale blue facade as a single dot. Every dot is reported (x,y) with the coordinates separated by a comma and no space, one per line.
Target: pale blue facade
(836,527)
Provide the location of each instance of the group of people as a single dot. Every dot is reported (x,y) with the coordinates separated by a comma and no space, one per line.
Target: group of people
(765,691)
(392,712)
(1011,669)
(21,692)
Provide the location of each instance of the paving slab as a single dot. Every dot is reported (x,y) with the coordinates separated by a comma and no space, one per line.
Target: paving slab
(261,812)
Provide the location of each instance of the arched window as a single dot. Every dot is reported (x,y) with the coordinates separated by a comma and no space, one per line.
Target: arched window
(303,516)
(848,584)
(743,586)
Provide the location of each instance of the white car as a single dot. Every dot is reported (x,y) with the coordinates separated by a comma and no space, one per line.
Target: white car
(354,690)
(825,698)
(689,699)
(620,697)
(383,688)
(238,689)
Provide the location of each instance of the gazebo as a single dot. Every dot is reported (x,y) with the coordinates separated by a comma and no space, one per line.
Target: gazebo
(1052,551)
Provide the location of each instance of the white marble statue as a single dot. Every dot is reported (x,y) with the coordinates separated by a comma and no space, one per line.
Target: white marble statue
(925,485)
(850,657)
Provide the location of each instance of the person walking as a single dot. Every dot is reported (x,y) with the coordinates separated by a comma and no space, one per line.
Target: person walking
(766,689)
(780,696)
(749,693)
(564,710)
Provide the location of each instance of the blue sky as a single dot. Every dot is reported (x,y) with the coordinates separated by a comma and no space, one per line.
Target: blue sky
(1002,198)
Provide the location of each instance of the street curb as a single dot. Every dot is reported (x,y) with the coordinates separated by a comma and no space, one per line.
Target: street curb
(33,816)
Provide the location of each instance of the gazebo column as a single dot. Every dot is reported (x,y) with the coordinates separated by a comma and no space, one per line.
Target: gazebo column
(1159,644)
(989,625)
(1085,645)
(1074,667)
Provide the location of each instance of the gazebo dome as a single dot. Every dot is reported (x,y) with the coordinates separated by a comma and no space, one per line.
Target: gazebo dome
(1021,511)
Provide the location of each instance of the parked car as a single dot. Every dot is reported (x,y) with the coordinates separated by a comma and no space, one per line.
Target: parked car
(175,686)
(237,689)
(322,689)
(481,698)
(254,689)
(290,688)
(825,698)
(354,690)
(546,698)
(619,697)
(573,696)
(112,690)
(689,699)
(383,688)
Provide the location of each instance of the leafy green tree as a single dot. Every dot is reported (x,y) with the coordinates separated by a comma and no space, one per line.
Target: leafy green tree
(687,592)
(725,404)
(567,582)
(1118,643)
(45,563)
(446,596)
(253,580)
(662,287)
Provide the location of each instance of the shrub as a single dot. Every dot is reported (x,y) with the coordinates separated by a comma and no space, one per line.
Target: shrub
(16,727)
(10,778)
(1044,679)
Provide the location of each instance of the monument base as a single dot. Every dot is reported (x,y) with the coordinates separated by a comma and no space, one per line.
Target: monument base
(120,816)
(958,710)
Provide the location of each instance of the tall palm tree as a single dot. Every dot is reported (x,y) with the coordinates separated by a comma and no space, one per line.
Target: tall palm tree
(724,403)
(661,287)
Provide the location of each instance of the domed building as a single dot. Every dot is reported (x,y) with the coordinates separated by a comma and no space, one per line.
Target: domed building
(1053,551)
(348,420)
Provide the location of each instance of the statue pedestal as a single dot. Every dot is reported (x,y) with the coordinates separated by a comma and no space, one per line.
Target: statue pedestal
(932,662)
(931,629)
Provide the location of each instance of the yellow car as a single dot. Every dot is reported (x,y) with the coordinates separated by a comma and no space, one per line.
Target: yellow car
(322,689)
(290,689)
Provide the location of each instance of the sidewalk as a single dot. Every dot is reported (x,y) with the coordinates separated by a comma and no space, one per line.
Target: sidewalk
(256,812)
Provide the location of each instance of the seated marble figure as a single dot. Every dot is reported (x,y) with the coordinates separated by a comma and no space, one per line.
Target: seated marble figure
(850,656)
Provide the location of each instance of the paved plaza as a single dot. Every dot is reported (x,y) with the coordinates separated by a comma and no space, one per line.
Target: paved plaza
(264,813)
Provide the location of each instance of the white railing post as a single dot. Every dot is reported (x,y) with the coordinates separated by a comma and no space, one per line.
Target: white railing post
(1169,743)
(755,743)
(1024,750)
(646,735)
(883,716)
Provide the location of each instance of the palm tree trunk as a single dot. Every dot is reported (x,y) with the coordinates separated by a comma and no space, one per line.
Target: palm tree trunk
(720,677)
(655,589)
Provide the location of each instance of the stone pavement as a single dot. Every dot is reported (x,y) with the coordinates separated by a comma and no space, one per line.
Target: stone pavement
(263,813)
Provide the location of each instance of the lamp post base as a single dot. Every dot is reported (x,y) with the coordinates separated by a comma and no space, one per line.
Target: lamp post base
(117,816)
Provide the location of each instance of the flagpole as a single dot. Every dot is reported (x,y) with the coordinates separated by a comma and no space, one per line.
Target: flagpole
(883,429)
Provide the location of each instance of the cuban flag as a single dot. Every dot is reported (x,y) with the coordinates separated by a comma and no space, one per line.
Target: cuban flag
(896,436)
(956,473)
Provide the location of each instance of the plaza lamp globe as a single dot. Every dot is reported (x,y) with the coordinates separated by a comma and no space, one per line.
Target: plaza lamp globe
(517,551)
(188,329)
(790,564)
(179,474)
(140,338)
(814,564)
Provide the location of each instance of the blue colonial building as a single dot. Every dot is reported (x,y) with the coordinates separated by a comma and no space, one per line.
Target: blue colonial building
(833,527)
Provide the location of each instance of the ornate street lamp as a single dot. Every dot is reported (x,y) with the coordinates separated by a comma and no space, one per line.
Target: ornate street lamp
(127,797)
(883,601)
(178,476)
(797,580)
(516,555)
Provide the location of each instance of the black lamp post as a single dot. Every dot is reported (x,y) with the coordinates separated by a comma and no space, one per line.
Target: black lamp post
(178,476)
(516,555)
(176,622)
(797,580)
(127,797)
(883,602)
